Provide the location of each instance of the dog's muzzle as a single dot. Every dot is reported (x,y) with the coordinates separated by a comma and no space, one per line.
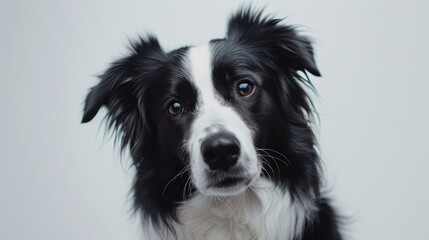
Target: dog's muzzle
(222,155)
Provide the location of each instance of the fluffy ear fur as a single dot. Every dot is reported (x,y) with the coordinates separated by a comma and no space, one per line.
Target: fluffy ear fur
(282,47)
(119,92)
(283,42)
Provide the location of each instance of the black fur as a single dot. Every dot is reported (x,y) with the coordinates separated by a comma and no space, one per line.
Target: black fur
(135,91)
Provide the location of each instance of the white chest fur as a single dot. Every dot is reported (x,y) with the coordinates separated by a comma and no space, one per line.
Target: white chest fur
(262,212)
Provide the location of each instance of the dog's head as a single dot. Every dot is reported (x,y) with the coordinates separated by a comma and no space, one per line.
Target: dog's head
(219,113)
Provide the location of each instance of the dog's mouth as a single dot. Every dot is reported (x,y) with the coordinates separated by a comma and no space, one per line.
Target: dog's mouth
(229,182)
(229,185)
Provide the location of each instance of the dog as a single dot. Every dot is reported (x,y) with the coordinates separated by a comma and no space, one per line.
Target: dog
(221,134)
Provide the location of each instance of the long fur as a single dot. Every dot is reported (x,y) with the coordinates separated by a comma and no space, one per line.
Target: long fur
(284,200)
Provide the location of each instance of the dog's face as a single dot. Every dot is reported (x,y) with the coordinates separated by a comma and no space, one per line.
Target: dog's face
(207,111)
(223,157)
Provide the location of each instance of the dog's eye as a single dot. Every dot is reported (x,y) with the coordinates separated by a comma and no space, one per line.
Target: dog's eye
(175,108)
(245,88)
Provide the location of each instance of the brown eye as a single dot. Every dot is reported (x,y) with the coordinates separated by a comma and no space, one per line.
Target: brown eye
(175,108)
(245,88)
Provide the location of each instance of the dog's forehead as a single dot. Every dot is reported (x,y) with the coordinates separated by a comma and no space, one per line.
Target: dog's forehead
(212,67)
(198,62)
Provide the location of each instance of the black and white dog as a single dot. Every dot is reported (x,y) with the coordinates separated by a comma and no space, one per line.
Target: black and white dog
(220,134)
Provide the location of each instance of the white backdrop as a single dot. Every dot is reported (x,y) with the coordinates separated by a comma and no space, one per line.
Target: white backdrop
(62,180)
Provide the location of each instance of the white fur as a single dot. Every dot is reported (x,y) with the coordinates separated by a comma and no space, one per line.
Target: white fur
(213,115)
(262,212)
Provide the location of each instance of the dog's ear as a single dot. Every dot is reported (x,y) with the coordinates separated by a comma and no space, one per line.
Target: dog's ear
(292,50)
(116,88)
(113,91)
(122,88)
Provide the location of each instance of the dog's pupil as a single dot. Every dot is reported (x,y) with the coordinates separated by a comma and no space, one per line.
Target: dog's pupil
(175,108)
(244,88)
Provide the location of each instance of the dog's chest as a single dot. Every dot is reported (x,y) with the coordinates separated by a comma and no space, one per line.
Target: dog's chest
(264,212)
(219,219)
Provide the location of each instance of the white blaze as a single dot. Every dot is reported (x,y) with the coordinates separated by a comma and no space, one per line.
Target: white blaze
(214,115)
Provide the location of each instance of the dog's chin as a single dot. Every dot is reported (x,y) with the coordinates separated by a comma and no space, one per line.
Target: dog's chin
(228,186)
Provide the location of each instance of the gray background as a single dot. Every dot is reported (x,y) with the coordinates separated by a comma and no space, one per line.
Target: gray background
(63,180)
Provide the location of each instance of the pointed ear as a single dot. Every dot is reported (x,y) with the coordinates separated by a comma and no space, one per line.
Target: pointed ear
(303,54)
(115,89)
(287,48)
(122,90)
(94,100)
(108,89)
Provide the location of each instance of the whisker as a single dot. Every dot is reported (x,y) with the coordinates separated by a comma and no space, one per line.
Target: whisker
(226,202)
(274,151)
(278,168)
(190,186)
(273,157)
(181,172)
(266,172)
(185,188)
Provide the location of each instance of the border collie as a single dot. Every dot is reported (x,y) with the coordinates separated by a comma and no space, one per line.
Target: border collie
(220,134)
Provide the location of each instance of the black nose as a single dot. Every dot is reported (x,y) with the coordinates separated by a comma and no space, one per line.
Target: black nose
(220,151)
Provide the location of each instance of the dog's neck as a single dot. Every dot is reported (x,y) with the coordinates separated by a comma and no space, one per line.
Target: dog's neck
(261,212)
